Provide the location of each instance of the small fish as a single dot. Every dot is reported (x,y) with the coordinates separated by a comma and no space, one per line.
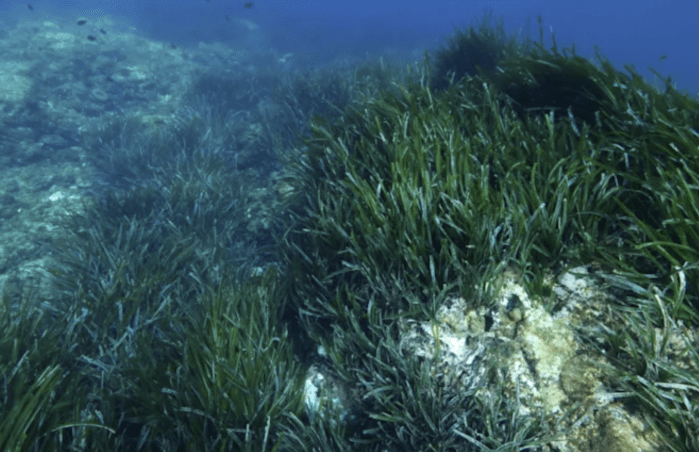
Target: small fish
(31,8)
(91,38)
(248,5)
(663,57)
(82,21)
(103,31)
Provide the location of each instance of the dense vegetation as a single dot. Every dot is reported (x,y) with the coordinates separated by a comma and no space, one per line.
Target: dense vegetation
(188,294)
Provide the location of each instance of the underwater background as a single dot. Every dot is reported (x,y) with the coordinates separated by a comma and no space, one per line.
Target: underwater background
(658,34)
(348,226)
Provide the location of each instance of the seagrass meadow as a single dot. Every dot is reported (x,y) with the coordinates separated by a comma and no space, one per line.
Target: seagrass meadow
(221,259)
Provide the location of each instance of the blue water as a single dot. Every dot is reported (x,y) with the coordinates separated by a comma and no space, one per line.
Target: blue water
(643,33)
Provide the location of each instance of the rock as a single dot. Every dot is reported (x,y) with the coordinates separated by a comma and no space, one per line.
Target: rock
(536,352)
